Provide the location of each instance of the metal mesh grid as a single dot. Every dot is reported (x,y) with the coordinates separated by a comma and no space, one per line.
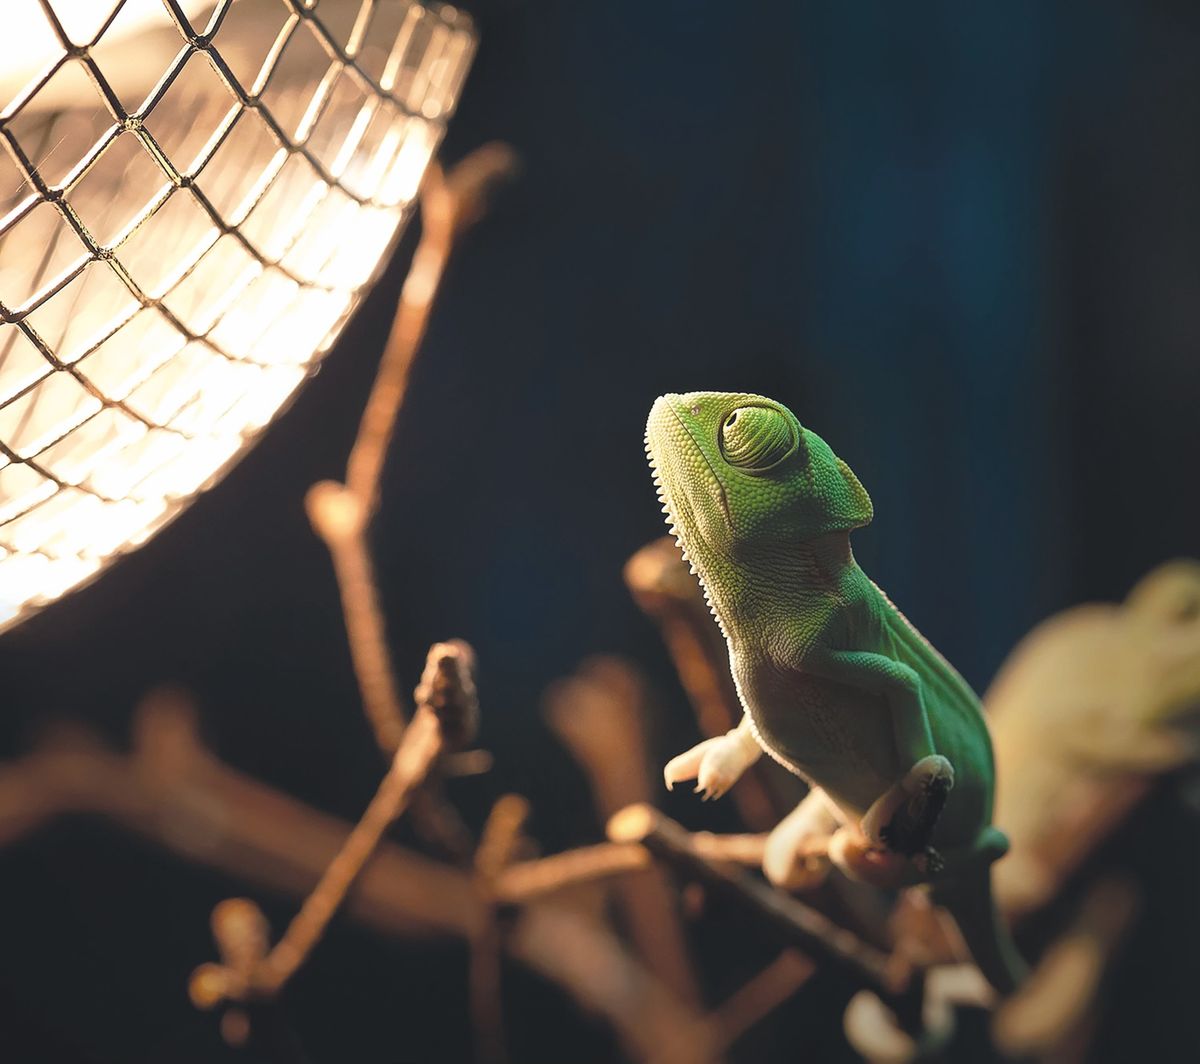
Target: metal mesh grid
(175,258)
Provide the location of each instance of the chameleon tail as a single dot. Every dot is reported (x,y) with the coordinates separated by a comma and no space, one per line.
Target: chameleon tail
(968,898)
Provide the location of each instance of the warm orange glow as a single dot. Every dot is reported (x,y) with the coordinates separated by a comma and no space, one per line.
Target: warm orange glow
(184,229)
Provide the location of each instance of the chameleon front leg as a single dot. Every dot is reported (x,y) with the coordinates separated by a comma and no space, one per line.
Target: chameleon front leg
(715,764)
(904,816)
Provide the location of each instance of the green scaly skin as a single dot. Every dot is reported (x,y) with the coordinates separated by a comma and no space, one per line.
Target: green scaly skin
(836,684)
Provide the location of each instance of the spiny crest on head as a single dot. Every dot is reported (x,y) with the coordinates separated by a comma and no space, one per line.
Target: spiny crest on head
(660,491)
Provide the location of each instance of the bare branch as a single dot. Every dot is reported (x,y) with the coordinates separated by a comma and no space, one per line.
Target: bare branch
(450,204)
(499,841)
(446,701)
(798,924)
(653,1024)
(175,793)
(340,513)
(414,758)
(531,879)
(172,791)
(761,995)
(599,713)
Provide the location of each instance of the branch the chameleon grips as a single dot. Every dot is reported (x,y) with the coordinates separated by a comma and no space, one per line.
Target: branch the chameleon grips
(799,924)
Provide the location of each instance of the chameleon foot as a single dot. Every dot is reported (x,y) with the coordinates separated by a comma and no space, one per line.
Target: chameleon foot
(715,764)
(910,829)
(903,819)
(930,862)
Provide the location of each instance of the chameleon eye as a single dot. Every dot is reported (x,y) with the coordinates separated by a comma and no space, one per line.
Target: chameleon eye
(755,438)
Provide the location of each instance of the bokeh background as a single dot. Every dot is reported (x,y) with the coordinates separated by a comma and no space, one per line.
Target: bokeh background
(961,241)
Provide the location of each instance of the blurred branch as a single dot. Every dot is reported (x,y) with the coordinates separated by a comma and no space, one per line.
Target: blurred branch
(1053,1016)
(651,1022)
(598,713)
(450,204)
(340,513)
(526,880)
(1087,712)
(172,791)
(498,843)
(446,707)
(761,995)
(414,757)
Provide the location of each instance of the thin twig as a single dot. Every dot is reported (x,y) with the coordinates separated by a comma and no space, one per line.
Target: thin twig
(450,204)
(497,843)
(654,1025)
(446,706)
(243,976)
(340,513)
(414,757)
(500,839)
(526,880)
(176,794)
(599,714)
(338,517)
(760,996)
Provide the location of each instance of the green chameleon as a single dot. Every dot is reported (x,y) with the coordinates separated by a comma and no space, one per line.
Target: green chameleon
(836,684)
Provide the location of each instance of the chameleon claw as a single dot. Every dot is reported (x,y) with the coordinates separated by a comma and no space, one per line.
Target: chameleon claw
(930,862)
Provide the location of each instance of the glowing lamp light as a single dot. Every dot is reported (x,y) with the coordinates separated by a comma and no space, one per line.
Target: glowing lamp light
(194,195)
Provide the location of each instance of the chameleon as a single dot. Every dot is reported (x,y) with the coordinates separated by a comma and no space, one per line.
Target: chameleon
(1090,708)
(834,681)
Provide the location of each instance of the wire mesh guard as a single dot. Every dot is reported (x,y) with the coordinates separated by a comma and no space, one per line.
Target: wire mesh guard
(193,196)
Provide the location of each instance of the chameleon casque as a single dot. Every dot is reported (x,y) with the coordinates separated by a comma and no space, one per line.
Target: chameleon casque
(835,683)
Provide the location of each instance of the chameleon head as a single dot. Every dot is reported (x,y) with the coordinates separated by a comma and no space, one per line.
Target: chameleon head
(738,474)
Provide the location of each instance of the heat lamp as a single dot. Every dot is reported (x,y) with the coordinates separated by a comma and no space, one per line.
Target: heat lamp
(194,197)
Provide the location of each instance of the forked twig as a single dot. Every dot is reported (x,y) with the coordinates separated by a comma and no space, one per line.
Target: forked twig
(446,706)
(414,757)
(174,792)
(340,513)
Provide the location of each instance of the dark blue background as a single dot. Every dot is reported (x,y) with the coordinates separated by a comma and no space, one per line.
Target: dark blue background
(959,240)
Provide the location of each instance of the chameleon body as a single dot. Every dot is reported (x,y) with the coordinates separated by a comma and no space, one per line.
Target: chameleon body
(836,684)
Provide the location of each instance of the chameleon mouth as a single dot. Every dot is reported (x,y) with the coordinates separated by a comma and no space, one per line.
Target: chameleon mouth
(678,510)
(664,499)
(663,407)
